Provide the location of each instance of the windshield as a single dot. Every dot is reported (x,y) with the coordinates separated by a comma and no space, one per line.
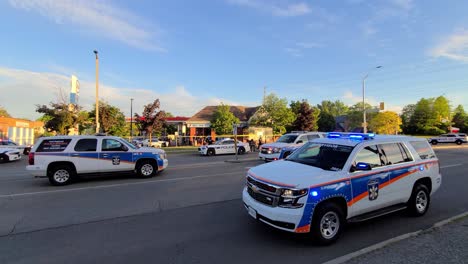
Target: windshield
(325,156)
(287,139)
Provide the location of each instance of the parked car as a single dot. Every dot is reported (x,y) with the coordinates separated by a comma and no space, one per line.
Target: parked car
(342,178)
(155,143)
(63,158)
(224,146)
(7,143)
(449,138)
(271,151)
(9,154)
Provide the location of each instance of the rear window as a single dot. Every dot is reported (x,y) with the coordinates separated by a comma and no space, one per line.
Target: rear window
(424,149)
(53,145)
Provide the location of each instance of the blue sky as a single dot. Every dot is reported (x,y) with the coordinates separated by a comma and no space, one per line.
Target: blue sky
(194,53)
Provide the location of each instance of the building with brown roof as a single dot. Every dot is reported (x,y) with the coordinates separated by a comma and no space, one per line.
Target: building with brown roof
(199,125)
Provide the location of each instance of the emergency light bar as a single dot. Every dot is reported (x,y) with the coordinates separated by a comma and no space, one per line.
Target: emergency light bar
(357,136)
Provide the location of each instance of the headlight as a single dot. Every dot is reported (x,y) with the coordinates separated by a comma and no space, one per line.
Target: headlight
(290,197)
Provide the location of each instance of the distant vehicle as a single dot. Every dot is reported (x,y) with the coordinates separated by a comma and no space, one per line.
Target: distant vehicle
(138,141)
(271,151)
(63,158)
(9,154)
(155,143)
(6,143)
(342,178)
(449,138)
(224,146)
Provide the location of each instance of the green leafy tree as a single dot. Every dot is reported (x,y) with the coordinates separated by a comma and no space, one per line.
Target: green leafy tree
(57,117)
(326,122)
(460,119)
(441,108)
(335,108)
(152,118)
(223,119)
(355,116)
(306,117)
(387,122)
(406,114)
(273,113)
(424,118)
(4,112)
(111,119)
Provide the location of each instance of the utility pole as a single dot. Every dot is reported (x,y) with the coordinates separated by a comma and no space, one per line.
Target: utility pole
(97,92)
(131,118)
(264,94)
(364,121)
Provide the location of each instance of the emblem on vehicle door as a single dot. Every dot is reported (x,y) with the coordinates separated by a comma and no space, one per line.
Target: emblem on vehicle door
(373,189)
(116,160)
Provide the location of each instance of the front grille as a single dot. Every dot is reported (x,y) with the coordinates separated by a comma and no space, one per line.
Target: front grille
(262,185)
(265,151)
(262,192)
(260,197)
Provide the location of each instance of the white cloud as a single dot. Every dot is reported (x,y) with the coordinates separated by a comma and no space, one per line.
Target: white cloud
(99,17)
(275,9)
(454,47)
(25,89)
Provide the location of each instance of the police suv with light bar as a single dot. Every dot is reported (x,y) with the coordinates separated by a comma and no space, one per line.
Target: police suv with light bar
(342,178)
(271,151)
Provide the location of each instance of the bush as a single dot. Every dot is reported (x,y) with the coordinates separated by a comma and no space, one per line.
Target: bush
(434,131)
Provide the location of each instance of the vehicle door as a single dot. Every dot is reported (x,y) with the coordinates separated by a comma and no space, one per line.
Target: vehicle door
(398,161)
(442,138)
(451,138)
(368,193)
(228,147)
(85,155)
(115,156)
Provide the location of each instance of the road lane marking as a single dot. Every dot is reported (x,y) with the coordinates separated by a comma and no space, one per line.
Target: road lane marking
(452,165)
(119,185)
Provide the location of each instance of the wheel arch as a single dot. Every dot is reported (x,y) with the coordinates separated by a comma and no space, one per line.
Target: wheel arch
(427,181)
(61,163)
(338,200)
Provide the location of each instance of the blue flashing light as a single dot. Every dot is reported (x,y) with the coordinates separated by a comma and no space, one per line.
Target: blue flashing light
(362,166)
(355,136)
(421,168)
(314,193)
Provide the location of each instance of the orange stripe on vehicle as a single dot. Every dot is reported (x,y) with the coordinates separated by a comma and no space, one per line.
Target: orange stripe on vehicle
(303,229)
(357,198)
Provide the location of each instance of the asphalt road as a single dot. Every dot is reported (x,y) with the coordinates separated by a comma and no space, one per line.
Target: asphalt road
(190,213)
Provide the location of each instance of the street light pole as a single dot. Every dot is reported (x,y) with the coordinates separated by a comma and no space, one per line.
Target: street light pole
(131,118)
(364,121)
(97,92)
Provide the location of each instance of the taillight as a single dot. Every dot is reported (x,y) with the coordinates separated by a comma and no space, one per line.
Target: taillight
(31,158)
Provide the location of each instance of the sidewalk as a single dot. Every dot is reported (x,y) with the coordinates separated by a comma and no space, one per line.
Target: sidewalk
(445,244)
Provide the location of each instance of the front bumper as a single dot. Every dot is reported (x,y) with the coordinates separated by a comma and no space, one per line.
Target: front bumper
(269,157)
(13,157)
(164,164)
(202,151)
(281,218)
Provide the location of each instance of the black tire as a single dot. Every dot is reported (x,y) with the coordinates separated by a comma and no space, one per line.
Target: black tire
(61,175)
(147,169)
(419,201)
(210,152)
(434,142)
(324,216)
(459,142)
(241,151)
(4,158)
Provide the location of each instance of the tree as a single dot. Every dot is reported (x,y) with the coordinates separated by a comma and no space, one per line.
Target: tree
(355,116)
(273,113)
(223,119)
(306,116)
(111,119)
(4,112)
(460,119)
(57,117)
(326,122)
(387,122)
(424,119)
(335,108)
(152,118)
(441,108)
(406,114)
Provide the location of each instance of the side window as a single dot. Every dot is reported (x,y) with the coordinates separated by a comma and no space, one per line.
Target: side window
(452,136)
(424,149)
(53,145)
(394,153)
(312,137)
(370,155)
(86,144)
(111,145)
(303,139)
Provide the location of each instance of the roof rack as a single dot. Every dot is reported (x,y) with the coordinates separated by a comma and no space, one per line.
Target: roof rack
(299,132)
(101,134)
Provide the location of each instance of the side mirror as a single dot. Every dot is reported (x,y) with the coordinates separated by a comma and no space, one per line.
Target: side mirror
(124,148)
(362,166)
(300,142)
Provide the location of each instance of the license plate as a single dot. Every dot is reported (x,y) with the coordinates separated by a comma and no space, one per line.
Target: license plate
(252,212)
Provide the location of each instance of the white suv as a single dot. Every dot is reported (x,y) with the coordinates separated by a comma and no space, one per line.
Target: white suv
(342,178)
(62,158)
(271,151)
(449,138)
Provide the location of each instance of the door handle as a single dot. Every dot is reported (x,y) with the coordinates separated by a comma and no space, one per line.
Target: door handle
(75,155)
(105,155)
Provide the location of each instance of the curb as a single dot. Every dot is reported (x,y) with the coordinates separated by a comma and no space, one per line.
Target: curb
(242,160)
(393,240)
